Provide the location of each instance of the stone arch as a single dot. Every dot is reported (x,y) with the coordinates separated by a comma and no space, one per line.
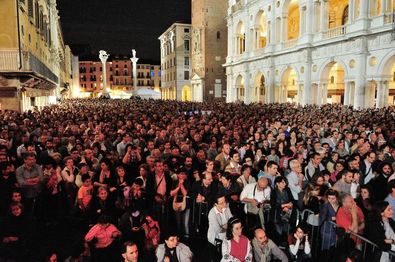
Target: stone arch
(261,33)
(239,88)
(292,25)
(338,13)
(240,38)
(259,91)
(387,71)
(332,85)
(288,91)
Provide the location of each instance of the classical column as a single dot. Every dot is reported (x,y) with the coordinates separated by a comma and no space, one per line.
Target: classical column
(380,94)
(103,58)
(307,94)
(324,93)
(247,88)
(300,94)
(383,7)
(309,17)
(363,9)
(229,88)
(284,29)
(134,60)
(351,11)
(319,94)
(360,82)
(324,15)
(347,88)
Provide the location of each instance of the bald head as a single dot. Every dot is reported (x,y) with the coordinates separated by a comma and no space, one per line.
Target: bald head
(262,182)
(260,236)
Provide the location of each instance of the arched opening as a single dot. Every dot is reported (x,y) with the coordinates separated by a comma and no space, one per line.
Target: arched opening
(259,88)
(186,94)
(386,89)
(261,33)
(240,38)
(338,13)
(240,89)
(288,91)
(293,24)
(172,91)
(332,84)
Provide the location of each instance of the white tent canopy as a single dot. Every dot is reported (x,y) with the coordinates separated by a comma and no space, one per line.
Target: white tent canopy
(146,93)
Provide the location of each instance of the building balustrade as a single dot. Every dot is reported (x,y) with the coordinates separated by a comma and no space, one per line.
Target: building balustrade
(289,43)
(10,62)
(389,18)
(334,32)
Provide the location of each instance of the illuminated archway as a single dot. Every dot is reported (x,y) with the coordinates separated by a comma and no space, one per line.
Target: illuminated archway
(332,85)
(240,38)
(261,33)
(186,94)
(338,13)
(259,89)
(293,19)
(288,91)
(240,89)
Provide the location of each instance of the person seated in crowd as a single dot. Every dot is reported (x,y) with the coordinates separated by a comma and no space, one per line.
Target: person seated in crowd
(327,216)
(14,232)
(131,226)
(131,252)
(265,249)
(343,186)
(234,167)
(101,205)
(350,216)
(379,183)
(311,199)
(173,250)
(282,207)
(314,167)
(218,218)
(271,172)
(295,179)
(103,234)
(246,177)
(299,245)
(391,196)
(85,194)
(236,247)
(152,233)
(256,196)
(381,230)
(365,200)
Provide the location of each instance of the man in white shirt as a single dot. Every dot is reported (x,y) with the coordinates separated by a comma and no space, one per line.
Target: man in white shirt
(366,167)
(255,196)
(295,179)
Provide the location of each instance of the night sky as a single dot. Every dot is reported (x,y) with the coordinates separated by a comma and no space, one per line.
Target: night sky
(118,26)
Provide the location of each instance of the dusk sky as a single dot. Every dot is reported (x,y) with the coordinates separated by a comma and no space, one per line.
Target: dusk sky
(118,26)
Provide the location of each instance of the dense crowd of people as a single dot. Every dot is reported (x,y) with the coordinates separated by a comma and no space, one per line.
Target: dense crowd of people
(145,180)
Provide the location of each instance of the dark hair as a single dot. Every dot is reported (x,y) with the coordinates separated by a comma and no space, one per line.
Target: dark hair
(271,163)
(378,208)
(279,179)
(244,168)
(220,196)
(332,192)
(391,185)
(26,155)
(103,219)
(229,231)
(85,177)
(128,244)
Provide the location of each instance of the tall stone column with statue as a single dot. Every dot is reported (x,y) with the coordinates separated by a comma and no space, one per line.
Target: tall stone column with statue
(134,60)
(103,58)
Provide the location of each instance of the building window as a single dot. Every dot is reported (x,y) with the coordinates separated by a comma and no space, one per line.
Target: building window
(186,75)
(186,45)
(345,16)
(37,15)
(186,61)
(30,8)
(218,35)
(332,79)
(186,30)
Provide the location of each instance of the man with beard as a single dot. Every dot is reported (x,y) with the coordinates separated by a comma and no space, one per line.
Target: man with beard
(379,183)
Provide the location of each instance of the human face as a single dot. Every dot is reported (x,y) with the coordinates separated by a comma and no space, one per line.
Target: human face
(297,168)
(237,229)
(263,183)
(272,170)
(221,204)
(364,193)
(348,177)
(332,199)
(121,172)
(208,179)
(348,202)
(249,161)
(320,181)
(172,242)
(316,160)
(16,197)
(226,149)
(260,235)
(131,254)
(281,185)
(387,170)
(30,161)
(103,195)
(16,211)
(299,233)
(388,212)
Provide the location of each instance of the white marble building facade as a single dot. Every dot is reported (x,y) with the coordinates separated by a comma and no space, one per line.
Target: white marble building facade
(311,52)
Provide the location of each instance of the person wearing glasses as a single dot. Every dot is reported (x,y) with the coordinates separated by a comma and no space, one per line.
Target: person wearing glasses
(236,246)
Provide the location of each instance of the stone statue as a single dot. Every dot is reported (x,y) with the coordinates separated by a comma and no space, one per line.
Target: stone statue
(103,55)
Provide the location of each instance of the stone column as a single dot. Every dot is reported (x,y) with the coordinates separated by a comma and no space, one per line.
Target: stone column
(103,58)
(229,88)
(351,11)
(134,60)
(380,94)
(247,88)
(360,82)
(347,88)
(284,29)
(324,15)
(325,93)
(383,7)
(309,17)
(300,94)
(319,94)
(230,38)
(307,85)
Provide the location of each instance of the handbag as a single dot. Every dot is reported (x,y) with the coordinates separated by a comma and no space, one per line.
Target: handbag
(179,206)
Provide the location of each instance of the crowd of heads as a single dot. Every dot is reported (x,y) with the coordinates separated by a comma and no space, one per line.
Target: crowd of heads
(147,166)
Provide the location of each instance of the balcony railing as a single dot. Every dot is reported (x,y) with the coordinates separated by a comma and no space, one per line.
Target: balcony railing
(389,18)
(289,43)
(238,6)
(335,32)
(10,62)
